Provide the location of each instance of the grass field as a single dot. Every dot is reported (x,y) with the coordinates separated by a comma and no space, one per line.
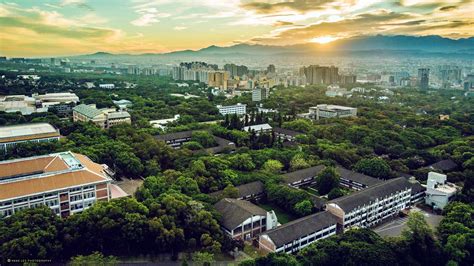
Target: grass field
(283,217)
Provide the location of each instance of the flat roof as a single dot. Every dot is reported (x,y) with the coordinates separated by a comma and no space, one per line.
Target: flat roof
(26,131)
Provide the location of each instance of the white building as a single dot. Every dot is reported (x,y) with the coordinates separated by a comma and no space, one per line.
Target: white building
(370,206)
(329,111)
(10,136)
(439,191)
(295,235)
(161,123)
(259,94)
(262,128)
(107,86)
(241,219)
(238,109)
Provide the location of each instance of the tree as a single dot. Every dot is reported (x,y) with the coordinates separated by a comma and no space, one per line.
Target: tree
(242,162)
(298,162)
(420,241)
(304,207)
(375,167)
(203,258)
(272,166)
(230,192)
(335,193)
(31,233)
(204,138)
(327,180)
(93,259)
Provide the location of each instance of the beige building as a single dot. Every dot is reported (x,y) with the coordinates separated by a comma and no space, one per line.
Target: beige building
(218,79)
(65,182)
(104,118)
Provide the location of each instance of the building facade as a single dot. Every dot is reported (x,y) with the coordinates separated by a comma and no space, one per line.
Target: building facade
(241,219)
(298,234)
(104,118)
(368,207)
(329,111)
(10,136)
(438,191)
(423,78)
(238,109)
(66,182)
(259,94)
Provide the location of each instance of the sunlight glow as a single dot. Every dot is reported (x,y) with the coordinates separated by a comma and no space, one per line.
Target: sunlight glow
(323,39)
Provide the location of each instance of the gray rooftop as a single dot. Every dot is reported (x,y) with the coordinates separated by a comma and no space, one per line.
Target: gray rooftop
(357,177)
(87,111)
(26,130)
(301,227)
(235,212)
(118,115)
(245,190)
(303,174)
(368,195)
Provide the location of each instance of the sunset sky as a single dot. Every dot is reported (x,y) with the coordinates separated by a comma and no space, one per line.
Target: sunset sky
(67,27)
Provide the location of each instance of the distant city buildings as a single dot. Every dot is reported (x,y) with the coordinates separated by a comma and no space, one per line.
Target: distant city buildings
(259,94)
(238,109)
(104,118)
(336,91)
(66,182)
(329,111)
(320,74)
(10,136)
(423,78)
(38,103)
(236,70)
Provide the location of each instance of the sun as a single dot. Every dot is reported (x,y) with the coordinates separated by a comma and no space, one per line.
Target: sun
(323,39)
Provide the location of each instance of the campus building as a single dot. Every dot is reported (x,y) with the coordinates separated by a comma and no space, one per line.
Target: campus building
(258,129)
(295,235)
(354,180)
(177,139)
(238,109)
(368,207)
(241,219)
(249,191)
(66,182)
(329,111)
(286,134)
(104,118)
(438,191)
(259,94)
(10,136)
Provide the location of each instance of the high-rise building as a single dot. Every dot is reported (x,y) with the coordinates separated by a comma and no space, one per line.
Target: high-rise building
(236,70)
(423,78)
(218,79)
(271,69)
(320,74)
(468,82)
(259,94)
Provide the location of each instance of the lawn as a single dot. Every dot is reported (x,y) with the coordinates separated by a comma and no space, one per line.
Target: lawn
(283,217)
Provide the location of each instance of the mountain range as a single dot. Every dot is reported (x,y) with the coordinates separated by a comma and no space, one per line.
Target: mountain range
(357,45)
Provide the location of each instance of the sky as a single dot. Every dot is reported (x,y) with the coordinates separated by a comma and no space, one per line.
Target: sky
(32,28)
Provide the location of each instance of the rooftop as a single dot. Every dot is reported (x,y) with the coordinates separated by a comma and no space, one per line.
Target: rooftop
(287,131)
(357,177)
(258,127)
(248,189)
(365,196)
(303,174)
(33,175)
(445,165)
(299,228)
(235,212)
(87,110)
(26,131)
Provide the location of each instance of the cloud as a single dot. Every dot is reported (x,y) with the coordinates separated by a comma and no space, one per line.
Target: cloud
(77,3)
(178,28)
(269,7)
(447,8)
(280,23)
(148,16)
(145,20)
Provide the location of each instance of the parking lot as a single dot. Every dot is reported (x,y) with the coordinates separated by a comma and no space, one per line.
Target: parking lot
(396,226)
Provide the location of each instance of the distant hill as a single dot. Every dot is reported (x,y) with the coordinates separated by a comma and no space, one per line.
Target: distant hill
(356,45)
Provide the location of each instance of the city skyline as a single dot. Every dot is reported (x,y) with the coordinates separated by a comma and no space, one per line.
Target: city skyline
(71,27)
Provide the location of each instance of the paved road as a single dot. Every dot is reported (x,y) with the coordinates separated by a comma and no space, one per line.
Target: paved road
(395,227)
